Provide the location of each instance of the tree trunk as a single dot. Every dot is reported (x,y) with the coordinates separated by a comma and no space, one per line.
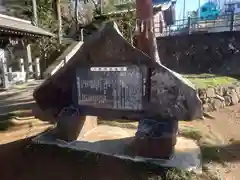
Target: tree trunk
(76,13)
(35,18)
(146,40)
(59,18)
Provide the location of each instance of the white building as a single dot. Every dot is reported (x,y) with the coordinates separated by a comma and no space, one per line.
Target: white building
(232,6)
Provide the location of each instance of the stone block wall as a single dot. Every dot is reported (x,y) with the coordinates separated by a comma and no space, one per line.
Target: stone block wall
(215,98)
(216,53)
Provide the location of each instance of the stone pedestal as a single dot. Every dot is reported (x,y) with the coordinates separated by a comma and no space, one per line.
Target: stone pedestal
(155,138)
(70,128)
(88,123)
(160,148)
(113,141)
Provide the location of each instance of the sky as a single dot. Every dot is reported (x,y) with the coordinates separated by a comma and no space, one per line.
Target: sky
(190,5)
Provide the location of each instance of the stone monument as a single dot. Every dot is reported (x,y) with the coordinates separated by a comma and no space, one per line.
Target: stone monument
(110,78)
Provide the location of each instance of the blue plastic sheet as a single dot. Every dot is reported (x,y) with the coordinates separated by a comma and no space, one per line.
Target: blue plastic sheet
(156,128)
(160,1)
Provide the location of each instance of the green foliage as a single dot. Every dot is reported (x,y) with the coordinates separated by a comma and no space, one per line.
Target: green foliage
(122,14)
(47,19)
(126,24)
(210,80)
(21,9)
(191,133)
(115,5)
(175,174)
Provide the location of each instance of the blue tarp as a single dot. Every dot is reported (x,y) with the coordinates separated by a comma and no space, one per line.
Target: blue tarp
(209,11)
(154,2)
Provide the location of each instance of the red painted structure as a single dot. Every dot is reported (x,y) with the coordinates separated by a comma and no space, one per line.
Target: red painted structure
(146,40)
(144,14)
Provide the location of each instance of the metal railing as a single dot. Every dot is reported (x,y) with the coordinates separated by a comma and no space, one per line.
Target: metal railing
(228,22)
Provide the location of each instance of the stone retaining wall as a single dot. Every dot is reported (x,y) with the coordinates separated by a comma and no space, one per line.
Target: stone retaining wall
(215,53)
(215,98)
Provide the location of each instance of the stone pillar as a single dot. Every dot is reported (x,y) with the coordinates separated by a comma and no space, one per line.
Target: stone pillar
(4,73)
(10,75)
(22,68)
(37,68)
(29,58)
(21,65)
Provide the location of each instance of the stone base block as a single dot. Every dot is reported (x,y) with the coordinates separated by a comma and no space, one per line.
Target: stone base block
(113,141)
(162,148)
(71,128)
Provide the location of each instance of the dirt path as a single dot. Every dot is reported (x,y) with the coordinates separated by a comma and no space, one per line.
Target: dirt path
(225,126)
(18,97)
(23,162)
(19,161)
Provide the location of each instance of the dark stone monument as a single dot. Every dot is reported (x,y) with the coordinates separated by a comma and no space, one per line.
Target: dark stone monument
(108,77)
(169,93)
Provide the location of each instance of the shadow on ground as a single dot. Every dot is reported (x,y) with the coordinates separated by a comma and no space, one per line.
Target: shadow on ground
(10,95)
(16,105)
(24,160)
(221,154)
(19,160)
(18,98)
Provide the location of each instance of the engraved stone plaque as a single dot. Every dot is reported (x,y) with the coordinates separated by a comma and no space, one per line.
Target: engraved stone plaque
(121,88)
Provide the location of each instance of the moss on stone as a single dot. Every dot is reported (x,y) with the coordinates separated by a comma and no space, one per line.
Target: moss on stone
(210,80)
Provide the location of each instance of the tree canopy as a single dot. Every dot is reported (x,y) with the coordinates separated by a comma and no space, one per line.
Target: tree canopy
(47,19)
(48,48)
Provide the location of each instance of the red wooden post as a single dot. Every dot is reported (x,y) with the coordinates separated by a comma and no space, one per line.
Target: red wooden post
(146,40)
